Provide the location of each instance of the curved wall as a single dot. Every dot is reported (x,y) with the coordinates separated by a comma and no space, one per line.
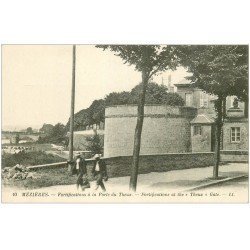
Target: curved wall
(165,130)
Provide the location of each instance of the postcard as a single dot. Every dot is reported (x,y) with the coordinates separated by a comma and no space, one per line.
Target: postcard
(124,124)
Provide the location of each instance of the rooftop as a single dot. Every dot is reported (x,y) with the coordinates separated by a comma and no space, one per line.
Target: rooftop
(202,119)
(183,83)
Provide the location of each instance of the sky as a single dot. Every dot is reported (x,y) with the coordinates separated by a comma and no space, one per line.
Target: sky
(36,81)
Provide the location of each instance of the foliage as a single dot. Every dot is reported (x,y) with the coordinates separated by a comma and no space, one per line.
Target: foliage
(28,158)
(96,111)
(54,134)
(173,99)
(221,70)
(149,58)
(46,128)
(117,98)
(156,94)
(95,144)
(17,138)
(29,130)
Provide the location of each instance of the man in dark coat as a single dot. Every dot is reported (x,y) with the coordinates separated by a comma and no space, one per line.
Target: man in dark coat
(99,172)
(81,171)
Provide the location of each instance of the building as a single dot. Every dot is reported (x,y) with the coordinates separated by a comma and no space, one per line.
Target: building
(177,129)
(235,128)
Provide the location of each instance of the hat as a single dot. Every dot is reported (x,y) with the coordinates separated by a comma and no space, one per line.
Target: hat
(96,156)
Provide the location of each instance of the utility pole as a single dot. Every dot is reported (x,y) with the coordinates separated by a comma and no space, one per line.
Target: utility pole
(71,130)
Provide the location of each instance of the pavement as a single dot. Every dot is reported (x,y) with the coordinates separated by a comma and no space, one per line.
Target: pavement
(173,181)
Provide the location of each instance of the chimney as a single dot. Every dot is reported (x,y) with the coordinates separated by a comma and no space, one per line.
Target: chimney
(169,80)
(170,87)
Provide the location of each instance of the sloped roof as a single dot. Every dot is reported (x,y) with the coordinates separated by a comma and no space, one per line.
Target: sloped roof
(183,82)
(202,119)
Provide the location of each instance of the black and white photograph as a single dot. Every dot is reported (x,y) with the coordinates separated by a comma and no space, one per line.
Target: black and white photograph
(124,123)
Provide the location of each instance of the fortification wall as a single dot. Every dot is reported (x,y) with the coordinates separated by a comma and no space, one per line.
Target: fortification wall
(165,130)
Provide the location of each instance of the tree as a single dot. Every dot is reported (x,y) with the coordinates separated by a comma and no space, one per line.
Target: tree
(95,113)
(156,94)
(117,98)
(95,144)
(221,70)
(17,138)
(148,60)
(29,130)
(58,133)
(53,134)
(46,128)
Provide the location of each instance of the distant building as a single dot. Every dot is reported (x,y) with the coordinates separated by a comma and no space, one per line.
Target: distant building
(5,141)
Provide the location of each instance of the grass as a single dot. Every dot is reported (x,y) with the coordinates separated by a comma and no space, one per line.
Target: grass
(29,159)
(44,178)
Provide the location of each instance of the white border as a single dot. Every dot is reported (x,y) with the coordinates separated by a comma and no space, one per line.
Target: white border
(124,226)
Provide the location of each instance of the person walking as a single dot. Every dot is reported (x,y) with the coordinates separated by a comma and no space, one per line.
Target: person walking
(81,171)
(99,172)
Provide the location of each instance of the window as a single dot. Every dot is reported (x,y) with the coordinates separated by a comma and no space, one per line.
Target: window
(188,99)
(203,100)
(235,134)
(197,130)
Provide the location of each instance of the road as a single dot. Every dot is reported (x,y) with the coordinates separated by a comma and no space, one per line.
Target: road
(234,186)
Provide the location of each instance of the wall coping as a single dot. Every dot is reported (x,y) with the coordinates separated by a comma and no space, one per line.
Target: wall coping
(167,154)
(165,111)
(234,152)
(47,165)
(135,105)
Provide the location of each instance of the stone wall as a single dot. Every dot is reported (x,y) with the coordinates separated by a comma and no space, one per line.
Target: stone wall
(234,156)
(120,166)
(165,130)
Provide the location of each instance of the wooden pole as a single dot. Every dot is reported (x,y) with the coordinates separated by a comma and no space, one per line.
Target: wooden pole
(71,130)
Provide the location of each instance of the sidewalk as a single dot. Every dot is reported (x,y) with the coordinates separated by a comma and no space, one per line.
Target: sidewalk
(180,180)
(176,180)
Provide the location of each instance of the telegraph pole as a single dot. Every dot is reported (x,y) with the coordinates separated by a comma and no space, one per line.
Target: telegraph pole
(71,130)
